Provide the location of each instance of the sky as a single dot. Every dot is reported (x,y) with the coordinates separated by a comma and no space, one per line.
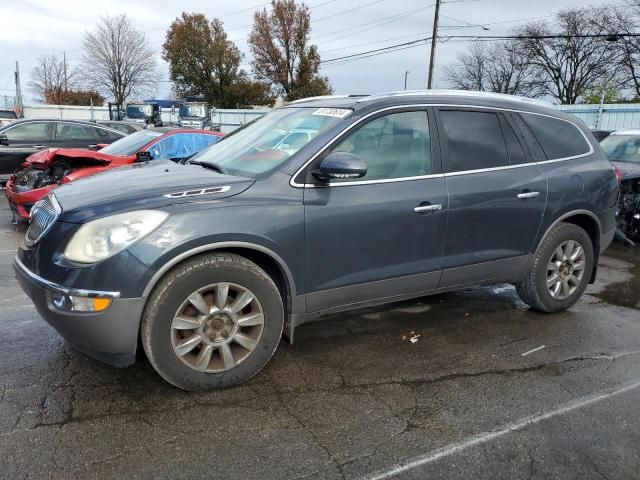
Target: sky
(340,27)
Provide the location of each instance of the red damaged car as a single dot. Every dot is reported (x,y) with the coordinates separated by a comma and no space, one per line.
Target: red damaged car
(45,170)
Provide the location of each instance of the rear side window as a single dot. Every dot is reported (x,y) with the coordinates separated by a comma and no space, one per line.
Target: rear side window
(473,140)
(558,138)
(73,131)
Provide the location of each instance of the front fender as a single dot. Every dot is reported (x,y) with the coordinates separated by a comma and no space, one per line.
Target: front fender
(275,230)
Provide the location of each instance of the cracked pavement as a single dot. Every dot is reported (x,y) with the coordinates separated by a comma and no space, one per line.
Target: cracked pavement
(352,398)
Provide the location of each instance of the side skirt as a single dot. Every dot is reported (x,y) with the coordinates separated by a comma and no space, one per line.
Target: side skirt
(508,270)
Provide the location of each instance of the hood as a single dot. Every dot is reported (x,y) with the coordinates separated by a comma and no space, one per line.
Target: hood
(628,169)
(143,185)
(50,155)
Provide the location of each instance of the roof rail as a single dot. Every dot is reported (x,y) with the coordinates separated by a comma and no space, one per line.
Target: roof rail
(323,97)
(458,93)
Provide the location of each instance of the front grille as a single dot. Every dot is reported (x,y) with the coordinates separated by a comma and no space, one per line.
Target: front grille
(43,215)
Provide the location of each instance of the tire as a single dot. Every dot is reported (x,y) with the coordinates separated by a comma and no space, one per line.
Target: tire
(533,289)
(171,323)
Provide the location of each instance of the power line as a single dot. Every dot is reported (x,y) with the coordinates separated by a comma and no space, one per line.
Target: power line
(373,24)
(424,41)
(310,8)
(404,45)
(349,10)
(382,50)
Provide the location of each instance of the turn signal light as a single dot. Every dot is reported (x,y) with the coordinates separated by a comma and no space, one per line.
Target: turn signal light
(73,303)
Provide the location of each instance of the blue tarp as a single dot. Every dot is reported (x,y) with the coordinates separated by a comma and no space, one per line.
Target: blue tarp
(181,145)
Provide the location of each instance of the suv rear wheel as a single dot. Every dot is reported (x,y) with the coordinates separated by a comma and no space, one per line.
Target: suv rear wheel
(212,322)
(561,270)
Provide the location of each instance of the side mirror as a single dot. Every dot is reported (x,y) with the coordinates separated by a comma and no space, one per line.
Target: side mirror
(143,157)
(340,165)
(3,139)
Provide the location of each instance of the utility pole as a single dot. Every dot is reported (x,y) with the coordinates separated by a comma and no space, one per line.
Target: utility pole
(434,37)
(19,105)
(405,78)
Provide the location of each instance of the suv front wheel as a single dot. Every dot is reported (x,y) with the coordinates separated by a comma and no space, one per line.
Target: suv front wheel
(213,321)
(561,270)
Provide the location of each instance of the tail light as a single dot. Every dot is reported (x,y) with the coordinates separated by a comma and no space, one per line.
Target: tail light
(618,173)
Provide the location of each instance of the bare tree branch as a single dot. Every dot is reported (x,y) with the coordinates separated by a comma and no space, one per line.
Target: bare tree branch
(117,59)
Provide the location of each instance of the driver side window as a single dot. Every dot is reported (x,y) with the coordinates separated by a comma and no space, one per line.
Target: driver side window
(392,146)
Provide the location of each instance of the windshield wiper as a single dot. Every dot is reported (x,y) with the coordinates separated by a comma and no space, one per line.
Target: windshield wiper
(211,166)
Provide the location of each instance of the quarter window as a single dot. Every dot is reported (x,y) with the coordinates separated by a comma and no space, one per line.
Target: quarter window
(558,138)
(473,140)
(35,131)
(392,146)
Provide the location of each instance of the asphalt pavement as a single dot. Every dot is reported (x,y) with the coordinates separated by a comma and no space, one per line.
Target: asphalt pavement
(463,385)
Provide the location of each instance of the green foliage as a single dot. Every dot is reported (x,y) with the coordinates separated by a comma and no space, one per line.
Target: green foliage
(203,61)
(593,95)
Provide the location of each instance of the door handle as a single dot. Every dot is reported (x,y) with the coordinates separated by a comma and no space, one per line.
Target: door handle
(428,208)
(525,195)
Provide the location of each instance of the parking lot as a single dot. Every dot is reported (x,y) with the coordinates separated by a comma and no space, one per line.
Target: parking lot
(486,389)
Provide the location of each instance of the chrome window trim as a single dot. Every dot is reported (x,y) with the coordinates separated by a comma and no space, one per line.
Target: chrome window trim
(78,292)
(354,125)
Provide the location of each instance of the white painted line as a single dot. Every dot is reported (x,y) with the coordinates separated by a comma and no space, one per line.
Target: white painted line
(7,252)
(534,350)
(509,427)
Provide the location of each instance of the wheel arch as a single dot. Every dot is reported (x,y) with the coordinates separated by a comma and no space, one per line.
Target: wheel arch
(262,256)
(586,220)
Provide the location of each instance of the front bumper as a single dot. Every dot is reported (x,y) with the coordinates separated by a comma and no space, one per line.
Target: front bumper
(21,202)
(110,336)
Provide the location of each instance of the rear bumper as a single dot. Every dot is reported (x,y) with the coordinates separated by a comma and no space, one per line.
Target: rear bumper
(110,336)
(606,239)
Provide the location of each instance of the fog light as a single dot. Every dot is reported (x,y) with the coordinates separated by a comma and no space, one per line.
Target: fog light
(73,303)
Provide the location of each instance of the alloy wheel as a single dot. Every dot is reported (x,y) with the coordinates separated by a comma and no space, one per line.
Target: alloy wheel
(217,327)
(566,269)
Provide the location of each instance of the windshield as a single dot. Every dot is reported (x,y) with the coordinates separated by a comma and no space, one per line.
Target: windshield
(139,111)
(193,111)
(131,143)
(269,141)
(622,148)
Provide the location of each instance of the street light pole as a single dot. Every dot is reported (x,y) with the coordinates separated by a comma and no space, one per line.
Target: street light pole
(405,78)
(434,36)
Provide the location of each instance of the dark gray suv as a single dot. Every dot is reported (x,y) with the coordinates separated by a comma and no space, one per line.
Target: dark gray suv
(326,205)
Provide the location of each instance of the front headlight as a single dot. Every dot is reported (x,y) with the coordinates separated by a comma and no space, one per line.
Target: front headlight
(102,238)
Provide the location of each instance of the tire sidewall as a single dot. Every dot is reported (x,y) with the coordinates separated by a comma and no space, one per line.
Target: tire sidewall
(569,232)
(161,352)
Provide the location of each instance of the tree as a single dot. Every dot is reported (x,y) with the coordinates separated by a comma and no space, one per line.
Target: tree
(50,78)
(570,63)
(615,19)
(494,68)
(117,59)
(202,60)
(594,95)
(281,54)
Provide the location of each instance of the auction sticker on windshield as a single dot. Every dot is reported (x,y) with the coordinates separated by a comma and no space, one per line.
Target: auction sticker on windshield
(333,112)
